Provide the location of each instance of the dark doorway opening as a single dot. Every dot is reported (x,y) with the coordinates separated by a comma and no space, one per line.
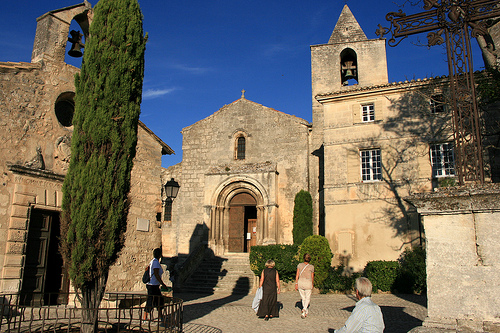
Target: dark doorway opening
(44,277)
(250,227)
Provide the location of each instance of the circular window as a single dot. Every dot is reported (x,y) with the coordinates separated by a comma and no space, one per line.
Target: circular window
(65,108)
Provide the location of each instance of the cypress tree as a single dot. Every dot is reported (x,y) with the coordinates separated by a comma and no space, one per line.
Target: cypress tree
(302,217)
(96,187)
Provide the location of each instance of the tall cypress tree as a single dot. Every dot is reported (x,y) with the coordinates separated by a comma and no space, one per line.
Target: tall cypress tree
(96,187)
(302,217)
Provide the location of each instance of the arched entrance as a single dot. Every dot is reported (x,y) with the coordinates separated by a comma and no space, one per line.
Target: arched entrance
(240,216)
(242,223)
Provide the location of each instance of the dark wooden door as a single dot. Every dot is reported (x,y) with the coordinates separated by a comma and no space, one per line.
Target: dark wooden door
(242,208)
(43,273)
(236,228)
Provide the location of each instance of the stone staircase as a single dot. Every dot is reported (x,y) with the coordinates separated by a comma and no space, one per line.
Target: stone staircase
(228,274)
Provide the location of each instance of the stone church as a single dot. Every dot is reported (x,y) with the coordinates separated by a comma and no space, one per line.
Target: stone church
(36,110)
(371,144)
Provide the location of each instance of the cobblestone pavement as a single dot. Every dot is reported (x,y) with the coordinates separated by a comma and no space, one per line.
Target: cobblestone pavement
(233,313)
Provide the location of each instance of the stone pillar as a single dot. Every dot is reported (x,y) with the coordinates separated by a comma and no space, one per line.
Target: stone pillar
(270,225)
(462,228)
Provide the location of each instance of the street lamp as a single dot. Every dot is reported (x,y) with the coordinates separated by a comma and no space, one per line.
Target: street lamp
(171,189)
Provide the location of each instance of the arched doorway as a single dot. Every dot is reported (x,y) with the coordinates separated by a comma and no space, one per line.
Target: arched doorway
(240,216)
(242,223)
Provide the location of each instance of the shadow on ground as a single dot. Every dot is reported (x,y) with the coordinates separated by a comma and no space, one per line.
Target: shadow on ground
(417,299)
(198,310)
(396,320)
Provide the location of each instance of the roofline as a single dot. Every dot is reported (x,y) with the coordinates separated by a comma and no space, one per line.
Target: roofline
(165,149)
(83,4)
(297,119)
(377,89)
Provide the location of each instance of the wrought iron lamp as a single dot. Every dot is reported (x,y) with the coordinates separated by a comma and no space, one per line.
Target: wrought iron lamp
(171,189)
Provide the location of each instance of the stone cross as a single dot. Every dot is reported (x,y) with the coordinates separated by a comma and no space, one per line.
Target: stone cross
(453,19)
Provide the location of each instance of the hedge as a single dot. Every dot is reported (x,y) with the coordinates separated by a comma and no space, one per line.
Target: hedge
(382,274)
(285,257)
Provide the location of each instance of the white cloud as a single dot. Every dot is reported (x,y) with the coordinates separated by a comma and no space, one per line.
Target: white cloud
(192,70)
(154,93)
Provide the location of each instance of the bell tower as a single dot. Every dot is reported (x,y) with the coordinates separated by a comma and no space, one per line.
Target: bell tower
(348,59)
(52,31)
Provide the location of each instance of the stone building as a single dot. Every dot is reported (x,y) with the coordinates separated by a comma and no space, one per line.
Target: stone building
(375,147)
(241,169)
(36,108)
(371,144)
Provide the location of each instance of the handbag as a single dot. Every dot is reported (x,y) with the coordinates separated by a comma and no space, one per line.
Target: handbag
(145,277)
(256,300)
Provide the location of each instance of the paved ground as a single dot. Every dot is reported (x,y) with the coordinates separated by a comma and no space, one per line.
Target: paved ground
(233,313)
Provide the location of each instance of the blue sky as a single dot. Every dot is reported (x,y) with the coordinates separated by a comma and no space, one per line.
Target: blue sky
(201,53)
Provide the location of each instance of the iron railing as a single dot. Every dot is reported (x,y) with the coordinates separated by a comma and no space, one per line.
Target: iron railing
(118,312)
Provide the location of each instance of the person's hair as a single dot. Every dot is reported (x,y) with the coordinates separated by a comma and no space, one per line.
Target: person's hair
(364,287)
(157,253)
(270,263)
(307,257)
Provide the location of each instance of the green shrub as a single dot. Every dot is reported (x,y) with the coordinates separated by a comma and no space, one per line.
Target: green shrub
(321,256)
(382,274)
(412,277)
(302,217)
(285,257)
(337,280)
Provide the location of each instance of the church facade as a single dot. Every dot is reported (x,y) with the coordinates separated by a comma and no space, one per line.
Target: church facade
(371,144)
(36,110)
(241,169)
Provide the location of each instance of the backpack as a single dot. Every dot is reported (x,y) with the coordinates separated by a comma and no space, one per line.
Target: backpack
(145,277)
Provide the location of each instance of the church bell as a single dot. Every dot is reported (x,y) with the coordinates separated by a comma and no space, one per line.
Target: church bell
(77,45)
(348,74)
(348,70)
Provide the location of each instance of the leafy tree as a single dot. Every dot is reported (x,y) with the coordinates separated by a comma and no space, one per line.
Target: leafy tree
(412,274)
(302,217)
(95,190)
(321,256)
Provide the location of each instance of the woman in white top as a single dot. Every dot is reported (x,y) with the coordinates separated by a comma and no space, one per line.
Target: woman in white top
(155,298)
(304,281)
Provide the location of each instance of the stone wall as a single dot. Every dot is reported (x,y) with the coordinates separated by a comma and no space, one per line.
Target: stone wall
(143,233)
(463,242)
(33,139)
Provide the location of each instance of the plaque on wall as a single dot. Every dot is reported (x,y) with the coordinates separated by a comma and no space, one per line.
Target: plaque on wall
(142,224)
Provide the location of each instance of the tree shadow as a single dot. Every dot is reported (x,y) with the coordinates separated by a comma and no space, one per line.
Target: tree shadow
(406,135)
(194,311)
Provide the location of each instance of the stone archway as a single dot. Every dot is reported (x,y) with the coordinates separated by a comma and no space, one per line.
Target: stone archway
(228,228)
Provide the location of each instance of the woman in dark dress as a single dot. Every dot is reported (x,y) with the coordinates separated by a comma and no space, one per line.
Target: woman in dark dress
(270,283)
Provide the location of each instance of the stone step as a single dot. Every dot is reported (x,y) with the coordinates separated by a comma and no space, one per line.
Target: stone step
(230,273)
